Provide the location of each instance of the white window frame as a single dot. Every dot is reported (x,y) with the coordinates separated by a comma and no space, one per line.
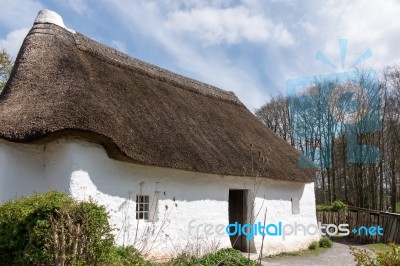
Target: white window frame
(146,208)
(142,207)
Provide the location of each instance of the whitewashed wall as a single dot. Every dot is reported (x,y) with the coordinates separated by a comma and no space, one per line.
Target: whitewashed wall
(84,171)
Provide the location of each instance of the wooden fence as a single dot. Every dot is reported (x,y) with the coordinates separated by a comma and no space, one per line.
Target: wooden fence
(358,217)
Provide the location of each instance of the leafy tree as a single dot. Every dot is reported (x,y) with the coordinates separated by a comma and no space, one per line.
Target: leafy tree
(6,65)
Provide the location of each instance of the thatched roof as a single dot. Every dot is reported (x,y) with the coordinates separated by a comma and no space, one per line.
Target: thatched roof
(66,85)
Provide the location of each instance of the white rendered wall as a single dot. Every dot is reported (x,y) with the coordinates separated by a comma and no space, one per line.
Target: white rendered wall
(21,170)
(84,171)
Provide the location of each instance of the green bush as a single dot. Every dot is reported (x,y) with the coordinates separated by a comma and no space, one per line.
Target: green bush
(374,258)
(325,242)
(338,206)
(127,256)
(334,207)
(323,208)
(45,229)
(313,246)
(223,257)
(21,221)
(183,259)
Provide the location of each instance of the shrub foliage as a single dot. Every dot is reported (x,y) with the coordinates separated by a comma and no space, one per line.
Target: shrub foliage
(53,229)
(313,246)
(325,242)
(374,258)
(223,257)
(336,206)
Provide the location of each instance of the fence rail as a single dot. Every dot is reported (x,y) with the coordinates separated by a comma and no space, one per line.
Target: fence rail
(358,217)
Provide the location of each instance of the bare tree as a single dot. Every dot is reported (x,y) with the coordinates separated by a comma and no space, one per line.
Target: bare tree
(350,129)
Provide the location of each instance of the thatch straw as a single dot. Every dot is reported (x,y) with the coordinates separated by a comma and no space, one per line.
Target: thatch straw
(66,85)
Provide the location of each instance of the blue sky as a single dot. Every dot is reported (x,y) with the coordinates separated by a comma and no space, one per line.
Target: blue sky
(249,47)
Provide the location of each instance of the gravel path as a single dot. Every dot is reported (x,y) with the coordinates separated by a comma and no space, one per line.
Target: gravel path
(339,254)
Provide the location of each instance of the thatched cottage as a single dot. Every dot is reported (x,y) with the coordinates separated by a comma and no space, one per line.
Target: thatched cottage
(174,160)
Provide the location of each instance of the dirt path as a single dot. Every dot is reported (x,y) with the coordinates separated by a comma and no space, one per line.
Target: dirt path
(339,254)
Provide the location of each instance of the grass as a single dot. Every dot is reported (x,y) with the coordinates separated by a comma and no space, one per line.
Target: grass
(314,248)
(379,247)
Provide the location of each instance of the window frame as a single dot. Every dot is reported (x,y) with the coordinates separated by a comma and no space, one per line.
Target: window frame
(142,207)
(295,206)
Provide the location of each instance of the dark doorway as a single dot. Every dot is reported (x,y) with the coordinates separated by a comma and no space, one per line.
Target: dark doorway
(239,211)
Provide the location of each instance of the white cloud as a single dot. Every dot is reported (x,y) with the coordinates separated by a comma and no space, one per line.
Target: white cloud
(201,52)
(18,14)
(366,24)
(318,25)
(216,69)
(231,25)
(120,46)
(17,17)
(249,46)
(373,25)
(78,6)
(13,41)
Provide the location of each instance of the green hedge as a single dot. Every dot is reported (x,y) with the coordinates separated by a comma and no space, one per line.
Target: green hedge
(334,207)
(45,228)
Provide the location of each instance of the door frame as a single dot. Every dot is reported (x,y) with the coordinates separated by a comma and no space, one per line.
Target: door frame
(240,209)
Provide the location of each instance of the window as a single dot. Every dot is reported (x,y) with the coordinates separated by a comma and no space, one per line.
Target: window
(295,206)
(142,207)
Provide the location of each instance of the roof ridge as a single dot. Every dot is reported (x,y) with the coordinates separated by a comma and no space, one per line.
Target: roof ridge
(114,56)
(121,59)
(50,17)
